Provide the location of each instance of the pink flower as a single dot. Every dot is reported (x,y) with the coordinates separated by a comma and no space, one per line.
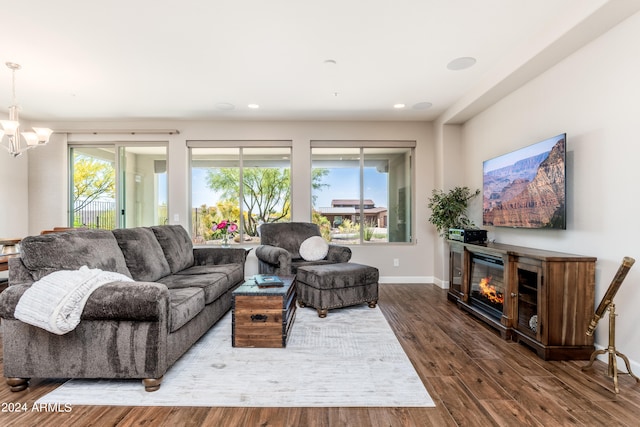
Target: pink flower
(224,227)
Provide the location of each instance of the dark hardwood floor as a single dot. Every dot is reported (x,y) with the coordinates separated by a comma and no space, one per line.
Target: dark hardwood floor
(475,378)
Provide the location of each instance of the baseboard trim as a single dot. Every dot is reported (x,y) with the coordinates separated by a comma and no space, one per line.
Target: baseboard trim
(401,280)
(406,279)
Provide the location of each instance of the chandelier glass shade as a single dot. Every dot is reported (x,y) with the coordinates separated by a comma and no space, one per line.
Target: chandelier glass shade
(11,138)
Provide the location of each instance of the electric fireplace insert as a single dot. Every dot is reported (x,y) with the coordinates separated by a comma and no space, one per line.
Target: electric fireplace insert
(487,284)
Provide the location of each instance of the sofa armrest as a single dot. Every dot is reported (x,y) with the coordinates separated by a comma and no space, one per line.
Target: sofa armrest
(9,299)
(338,254)
(218,255)
(143,301)
(18,272)
(274,255)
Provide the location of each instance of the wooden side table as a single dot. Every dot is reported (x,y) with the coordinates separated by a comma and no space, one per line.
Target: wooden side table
(262,317)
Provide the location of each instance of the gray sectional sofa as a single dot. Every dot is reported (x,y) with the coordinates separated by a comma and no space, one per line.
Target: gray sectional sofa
(132,329)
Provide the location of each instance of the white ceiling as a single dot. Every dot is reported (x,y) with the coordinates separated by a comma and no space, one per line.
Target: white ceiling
(168,59)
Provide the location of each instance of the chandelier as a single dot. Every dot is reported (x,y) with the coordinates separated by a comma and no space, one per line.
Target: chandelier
(13,143)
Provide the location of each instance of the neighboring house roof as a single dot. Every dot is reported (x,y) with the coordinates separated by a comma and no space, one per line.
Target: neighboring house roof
(349,211)
(351,202)
(375,210)
(337,211)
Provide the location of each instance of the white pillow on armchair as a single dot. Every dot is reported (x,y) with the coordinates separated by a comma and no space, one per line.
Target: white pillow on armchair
(314,248)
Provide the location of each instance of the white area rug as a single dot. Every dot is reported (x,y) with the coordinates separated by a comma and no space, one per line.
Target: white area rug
(350,358)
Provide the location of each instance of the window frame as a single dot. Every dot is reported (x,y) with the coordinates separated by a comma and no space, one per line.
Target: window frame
(363,145)
(241,145)
(119,149)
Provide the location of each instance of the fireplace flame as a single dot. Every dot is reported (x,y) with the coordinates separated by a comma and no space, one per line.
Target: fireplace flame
(489,291)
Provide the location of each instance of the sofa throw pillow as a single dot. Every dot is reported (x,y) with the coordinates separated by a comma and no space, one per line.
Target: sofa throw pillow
(70,250)
(314,248)
(176,245)
(143,254)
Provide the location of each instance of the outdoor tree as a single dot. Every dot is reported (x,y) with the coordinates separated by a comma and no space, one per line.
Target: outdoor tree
(266,193)
(317,175)
(323,223)
(92,179)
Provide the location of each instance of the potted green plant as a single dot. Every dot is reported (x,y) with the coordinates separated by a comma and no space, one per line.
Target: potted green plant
(449,209)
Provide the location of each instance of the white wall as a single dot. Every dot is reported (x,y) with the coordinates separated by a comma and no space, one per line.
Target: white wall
(593,96)
(49,192)
(48,200)
(14,195)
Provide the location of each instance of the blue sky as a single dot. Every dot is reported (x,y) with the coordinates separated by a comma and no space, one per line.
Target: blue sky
(344,184)
(523,153)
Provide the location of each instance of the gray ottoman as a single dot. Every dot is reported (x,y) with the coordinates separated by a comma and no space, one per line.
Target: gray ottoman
(336,285)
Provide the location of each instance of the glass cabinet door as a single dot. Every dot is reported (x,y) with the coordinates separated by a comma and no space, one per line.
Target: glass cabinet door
(456,270)
(529,281)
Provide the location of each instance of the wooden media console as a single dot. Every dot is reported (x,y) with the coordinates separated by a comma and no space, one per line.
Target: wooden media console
(540,298)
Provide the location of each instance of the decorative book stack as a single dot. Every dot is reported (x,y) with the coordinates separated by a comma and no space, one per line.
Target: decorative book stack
(268,281)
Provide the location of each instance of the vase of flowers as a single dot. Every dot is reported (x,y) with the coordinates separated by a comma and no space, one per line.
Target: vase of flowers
(224,230)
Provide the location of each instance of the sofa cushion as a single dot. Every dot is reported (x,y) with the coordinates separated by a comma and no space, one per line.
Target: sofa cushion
(142,253)
(314,248)
(185,303)
(176,245)
(214,280)
(70,250)
(234,271)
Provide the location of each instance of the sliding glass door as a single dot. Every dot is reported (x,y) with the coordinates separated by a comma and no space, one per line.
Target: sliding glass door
(117,186)
(143,186)
(92,187)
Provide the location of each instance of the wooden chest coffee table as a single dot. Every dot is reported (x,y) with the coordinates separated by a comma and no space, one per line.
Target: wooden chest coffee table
(262,317)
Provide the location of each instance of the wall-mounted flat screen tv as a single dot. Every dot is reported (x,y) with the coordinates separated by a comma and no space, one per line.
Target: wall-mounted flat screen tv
(526,188)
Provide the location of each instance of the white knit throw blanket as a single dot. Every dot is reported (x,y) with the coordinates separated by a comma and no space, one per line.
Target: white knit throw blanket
(56,301)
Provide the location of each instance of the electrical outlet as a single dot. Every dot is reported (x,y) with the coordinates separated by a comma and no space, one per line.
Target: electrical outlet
(176,217)
(396,262)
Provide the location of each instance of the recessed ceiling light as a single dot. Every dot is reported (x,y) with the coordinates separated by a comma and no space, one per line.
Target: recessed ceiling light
(225,106)
(422,105)
(461,63)
(253,106)
(398,106)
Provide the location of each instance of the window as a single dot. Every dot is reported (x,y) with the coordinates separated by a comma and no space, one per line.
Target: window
(216,193)
(93,187)
(118,186)
(362,194)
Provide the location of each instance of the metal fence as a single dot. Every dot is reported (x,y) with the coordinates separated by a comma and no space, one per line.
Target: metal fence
(198,226)
(99,214)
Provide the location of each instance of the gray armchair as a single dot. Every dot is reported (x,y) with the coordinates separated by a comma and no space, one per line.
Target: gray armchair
(279,252)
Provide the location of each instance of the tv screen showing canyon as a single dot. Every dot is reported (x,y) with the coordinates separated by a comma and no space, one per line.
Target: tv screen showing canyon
(526,188)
